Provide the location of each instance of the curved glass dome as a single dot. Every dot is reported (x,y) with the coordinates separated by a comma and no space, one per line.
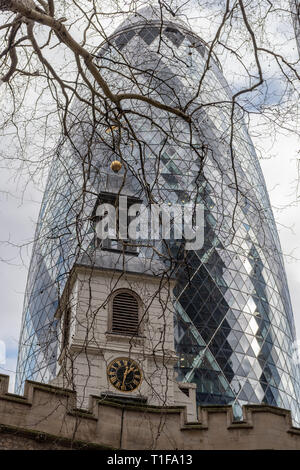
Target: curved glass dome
(234,325)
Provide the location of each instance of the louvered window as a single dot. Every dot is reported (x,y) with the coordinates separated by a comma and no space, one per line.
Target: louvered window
(125,314)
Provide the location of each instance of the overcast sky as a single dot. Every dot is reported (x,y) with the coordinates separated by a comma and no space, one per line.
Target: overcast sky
(19,212)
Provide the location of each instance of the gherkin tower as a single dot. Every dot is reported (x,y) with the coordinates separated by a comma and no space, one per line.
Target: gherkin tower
(234,326)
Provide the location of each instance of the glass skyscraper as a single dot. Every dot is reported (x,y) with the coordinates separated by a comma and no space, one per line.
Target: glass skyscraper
(234,327)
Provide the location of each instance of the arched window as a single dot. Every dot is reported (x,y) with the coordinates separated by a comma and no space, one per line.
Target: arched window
(125,316)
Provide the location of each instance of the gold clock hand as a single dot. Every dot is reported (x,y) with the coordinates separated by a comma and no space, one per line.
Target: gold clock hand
(127,371)
(125,375)
(131,369)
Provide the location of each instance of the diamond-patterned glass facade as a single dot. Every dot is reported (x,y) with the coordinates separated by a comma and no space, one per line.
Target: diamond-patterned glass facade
(234,327)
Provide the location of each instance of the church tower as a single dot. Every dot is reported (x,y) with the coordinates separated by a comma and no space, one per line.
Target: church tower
(116,325)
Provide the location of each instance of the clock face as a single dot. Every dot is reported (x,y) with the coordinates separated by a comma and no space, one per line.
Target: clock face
(124,374)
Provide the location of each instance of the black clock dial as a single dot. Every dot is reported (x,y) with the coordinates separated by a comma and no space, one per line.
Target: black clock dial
(124,374)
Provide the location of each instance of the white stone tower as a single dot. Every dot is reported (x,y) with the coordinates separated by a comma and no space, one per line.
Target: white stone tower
(116,330)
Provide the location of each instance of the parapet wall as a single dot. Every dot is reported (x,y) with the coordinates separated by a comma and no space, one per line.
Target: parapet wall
(47,416)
